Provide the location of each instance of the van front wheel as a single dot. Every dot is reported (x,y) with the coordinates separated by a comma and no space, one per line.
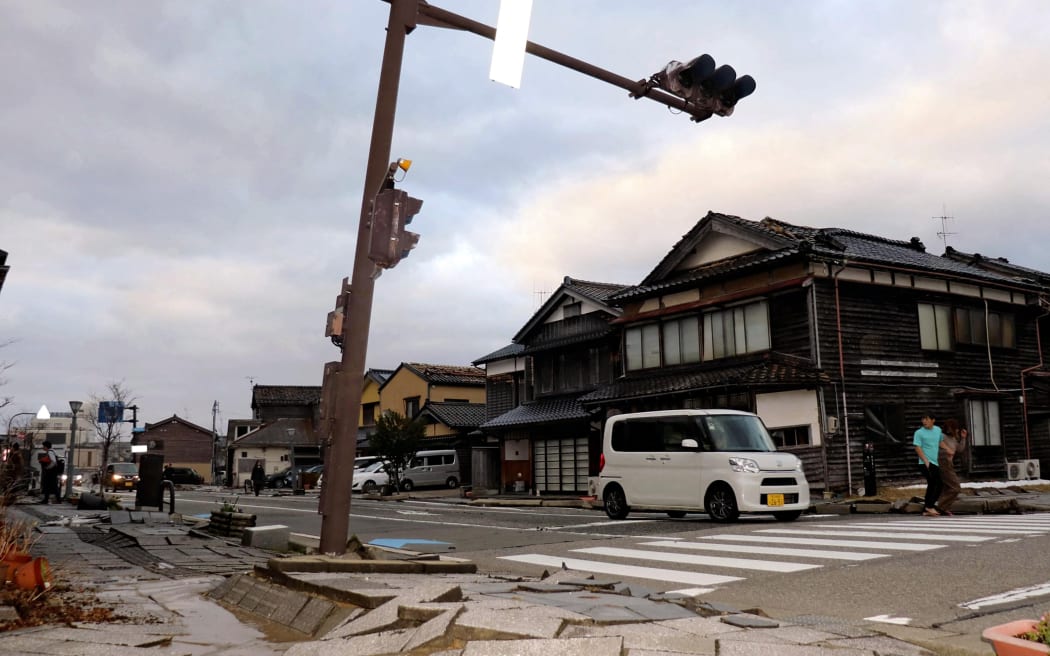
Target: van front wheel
(451,483)
(406,486)
(721,504)
(616,503)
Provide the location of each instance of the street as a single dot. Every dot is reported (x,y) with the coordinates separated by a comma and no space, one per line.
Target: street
(888,568)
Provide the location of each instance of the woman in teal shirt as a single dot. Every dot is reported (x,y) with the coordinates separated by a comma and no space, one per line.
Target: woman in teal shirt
(927,443)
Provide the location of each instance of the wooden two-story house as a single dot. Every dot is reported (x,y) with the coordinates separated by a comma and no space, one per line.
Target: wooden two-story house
(550,443)
(836,339)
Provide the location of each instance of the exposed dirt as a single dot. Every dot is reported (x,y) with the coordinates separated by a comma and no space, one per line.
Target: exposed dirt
(58,605)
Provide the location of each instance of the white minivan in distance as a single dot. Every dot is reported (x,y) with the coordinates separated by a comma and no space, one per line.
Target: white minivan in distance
(719,462)
(429,468)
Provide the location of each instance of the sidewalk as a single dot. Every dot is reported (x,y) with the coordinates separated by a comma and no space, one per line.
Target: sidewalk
(180,592)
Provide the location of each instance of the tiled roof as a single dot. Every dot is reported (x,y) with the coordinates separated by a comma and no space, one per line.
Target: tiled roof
(444,374)
(544,411)
(568,340)
(761,373)
(285,395)
(999,264)
(782,240)
(596,291)
(379,375)
(170,420)
(456,415)
(276,434)
(508,351)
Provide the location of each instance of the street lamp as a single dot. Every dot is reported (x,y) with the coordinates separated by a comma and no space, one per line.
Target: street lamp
(42,414)
(75,407)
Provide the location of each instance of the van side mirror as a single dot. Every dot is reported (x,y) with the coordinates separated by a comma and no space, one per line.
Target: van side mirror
(690,443)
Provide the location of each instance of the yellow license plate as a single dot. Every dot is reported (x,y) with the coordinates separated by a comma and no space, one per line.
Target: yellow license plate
(774,499)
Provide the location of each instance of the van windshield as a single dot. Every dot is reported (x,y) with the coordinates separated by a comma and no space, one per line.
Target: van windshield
(734,433)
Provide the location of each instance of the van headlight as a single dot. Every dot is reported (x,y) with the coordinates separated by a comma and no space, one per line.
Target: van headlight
(798,464)
(744,465)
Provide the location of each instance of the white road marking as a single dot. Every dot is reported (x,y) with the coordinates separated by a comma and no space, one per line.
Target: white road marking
(821,542)
(876,534)
(1008,596)
(769,551)
(618,522)
(633,571)
(690,559)
(888,619)
(944,528)
(691,592)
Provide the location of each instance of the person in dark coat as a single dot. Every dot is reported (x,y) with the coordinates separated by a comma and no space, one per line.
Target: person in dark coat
(258,477)
(48,460)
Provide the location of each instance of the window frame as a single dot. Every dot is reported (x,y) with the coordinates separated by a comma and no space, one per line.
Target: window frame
(733,328)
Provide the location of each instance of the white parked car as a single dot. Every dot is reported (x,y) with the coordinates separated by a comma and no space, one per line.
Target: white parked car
(369,478)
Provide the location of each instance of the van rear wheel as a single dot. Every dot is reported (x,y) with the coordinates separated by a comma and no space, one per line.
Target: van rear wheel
(616,503)
(406,486)
(721,504)
(451,482)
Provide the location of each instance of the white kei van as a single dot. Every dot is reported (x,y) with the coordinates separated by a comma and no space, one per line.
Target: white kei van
(439,467)
(721,462)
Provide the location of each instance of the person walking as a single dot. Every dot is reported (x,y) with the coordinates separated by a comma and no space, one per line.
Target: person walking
(258,477)
(953,442)
(927,441)
(48,461)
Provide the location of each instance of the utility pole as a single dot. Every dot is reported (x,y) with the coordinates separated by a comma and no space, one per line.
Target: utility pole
(698,88)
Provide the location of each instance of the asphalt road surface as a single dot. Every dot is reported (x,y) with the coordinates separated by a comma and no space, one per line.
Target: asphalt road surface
(947,572)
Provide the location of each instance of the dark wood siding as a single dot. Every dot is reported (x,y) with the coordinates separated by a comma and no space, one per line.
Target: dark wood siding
(886,367)
(789,323)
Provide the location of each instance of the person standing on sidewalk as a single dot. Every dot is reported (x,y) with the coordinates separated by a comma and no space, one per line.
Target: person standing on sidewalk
(927,441)
(258,477)
(48,460)
(952,442)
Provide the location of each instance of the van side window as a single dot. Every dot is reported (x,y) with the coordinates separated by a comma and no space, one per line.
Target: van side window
(676,429)
(416,462)
(448,459)
(638,435)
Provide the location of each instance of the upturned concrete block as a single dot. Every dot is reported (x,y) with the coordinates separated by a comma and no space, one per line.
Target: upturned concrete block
(273,537)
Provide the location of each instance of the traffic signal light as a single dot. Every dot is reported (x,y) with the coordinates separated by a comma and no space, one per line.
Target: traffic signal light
(714,89)
(392,210)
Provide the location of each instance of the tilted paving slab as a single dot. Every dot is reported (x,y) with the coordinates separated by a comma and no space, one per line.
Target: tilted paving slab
(435,631)
(881,645)
(384,617)
(727,647)
(375,644)
(605,646)
(531,622)
(114,635)
(700,626)
(313,615)
(648,636)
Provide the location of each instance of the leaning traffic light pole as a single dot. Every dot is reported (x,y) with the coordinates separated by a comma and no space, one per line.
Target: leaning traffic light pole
(696,88)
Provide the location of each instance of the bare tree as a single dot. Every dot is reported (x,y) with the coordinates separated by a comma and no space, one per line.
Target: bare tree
(108,429)
(4,366)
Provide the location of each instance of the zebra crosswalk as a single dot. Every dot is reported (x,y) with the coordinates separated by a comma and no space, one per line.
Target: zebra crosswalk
(702,561)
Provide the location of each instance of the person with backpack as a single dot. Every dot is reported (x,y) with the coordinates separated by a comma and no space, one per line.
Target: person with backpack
(49,471)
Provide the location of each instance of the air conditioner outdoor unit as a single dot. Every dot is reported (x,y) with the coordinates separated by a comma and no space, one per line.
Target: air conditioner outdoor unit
(1031,468)
(1015,471)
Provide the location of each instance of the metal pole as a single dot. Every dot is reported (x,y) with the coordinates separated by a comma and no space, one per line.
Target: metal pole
(335,522)
(70,453)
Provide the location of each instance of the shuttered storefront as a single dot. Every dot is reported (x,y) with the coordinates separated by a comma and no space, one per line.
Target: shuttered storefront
(560,465)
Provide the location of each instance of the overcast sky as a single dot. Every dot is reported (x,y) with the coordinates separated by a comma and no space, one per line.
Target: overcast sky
(180,182)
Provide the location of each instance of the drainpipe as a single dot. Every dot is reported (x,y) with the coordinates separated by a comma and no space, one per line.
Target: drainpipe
(842,377)
(1024,391)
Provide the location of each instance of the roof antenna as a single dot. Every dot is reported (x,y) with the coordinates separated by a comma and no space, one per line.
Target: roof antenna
(944,234)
